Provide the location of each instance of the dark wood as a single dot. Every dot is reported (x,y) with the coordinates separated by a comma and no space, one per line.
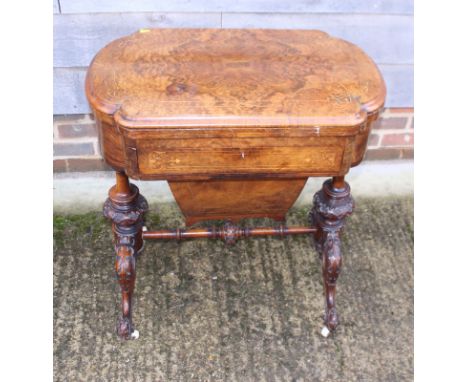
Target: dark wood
(229,232)
(236,121)
(330,207)
(125,207)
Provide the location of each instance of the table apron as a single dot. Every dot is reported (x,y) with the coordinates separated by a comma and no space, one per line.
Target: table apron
(237,157)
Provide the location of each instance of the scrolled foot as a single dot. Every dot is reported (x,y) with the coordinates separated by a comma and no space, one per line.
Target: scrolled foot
(331,319)
(125,329)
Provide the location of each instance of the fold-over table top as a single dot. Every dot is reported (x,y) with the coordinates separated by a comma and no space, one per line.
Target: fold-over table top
(234,78)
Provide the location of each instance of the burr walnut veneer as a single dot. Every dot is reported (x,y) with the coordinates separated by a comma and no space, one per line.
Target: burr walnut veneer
(235,121)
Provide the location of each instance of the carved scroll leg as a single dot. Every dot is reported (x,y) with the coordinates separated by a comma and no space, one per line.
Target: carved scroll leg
(125,270)
(331,266)
(126,207)
(331,206)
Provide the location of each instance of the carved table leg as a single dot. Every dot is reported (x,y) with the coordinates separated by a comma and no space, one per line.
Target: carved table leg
(331,205)
(125,207)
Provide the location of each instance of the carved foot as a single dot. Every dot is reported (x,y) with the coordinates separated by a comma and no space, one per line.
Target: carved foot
(125,329)
(125,207)
(330,208)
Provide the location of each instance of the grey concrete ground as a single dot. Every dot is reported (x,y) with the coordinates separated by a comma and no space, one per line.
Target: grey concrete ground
(250,312)
(83,192)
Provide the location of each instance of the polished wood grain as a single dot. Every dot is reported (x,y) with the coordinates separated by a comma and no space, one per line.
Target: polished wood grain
(236,121)
(235,78)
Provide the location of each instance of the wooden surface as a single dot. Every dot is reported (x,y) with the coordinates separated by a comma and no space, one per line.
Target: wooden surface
(232,78)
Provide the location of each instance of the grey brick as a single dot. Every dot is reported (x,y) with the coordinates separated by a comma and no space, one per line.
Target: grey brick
(77,130)
(73,149)
(69,94)
(335,6)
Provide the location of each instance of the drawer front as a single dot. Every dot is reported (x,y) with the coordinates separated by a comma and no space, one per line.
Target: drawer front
(198,157)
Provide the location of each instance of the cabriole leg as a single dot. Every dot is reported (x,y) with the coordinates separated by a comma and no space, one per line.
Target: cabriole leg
(125,207)
(330,207)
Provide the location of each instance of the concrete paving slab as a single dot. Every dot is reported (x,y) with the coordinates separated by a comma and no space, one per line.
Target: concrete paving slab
(250,312)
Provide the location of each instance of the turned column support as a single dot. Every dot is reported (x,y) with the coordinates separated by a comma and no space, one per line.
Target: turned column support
(330,207)
(125,207)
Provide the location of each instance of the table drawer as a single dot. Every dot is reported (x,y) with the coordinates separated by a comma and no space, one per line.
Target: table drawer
(237,158)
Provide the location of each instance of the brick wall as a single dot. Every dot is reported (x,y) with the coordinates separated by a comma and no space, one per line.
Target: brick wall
(76,147)
(392,135)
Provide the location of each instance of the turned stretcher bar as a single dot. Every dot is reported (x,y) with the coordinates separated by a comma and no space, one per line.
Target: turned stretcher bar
(229,232)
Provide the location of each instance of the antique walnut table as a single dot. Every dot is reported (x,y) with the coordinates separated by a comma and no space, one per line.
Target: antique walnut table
(235,121)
